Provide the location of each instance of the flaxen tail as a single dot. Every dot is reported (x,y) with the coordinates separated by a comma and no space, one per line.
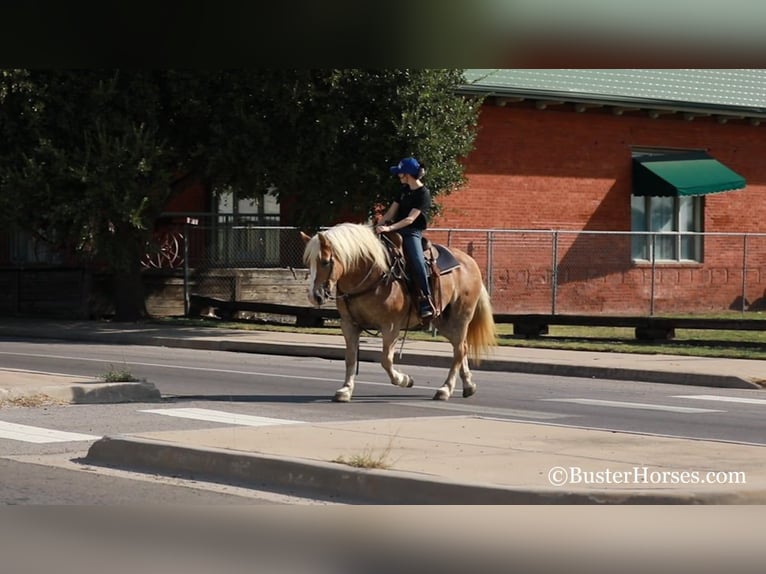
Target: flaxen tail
(481,330)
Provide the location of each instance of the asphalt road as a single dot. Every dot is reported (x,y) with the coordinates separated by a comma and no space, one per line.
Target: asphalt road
(295,388)
(299,388)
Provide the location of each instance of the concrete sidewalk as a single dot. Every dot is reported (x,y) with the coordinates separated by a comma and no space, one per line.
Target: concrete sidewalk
(452,460)
(432,460)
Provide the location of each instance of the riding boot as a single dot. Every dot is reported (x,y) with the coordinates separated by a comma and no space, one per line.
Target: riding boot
(425,307)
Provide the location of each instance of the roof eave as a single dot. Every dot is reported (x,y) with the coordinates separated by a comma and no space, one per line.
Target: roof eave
(608,100)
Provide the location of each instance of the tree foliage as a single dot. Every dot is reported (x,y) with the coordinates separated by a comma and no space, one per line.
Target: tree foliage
(344,129)
(88,157)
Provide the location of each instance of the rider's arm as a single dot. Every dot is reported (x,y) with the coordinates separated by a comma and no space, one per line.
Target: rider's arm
(402,223)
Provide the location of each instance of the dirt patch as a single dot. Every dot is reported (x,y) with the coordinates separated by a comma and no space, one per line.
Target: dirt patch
(35,400)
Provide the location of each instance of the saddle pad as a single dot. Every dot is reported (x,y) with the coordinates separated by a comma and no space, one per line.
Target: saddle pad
(445,261)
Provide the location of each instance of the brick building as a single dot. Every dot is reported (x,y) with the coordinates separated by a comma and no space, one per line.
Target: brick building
(599,156)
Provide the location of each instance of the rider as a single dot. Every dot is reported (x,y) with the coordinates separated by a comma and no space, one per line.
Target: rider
(408,215)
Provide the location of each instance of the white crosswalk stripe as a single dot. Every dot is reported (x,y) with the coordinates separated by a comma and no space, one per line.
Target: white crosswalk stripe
(39,435)
(640,406)
(220,417)
(488,411)
(746,400)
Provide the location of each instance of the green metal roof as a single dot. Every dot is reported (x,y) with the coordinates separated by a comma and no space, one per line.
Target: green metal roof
(718,90)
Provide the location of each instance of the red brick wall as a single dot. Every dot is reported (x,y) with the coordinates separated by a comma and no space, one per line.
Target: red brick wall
(556,169)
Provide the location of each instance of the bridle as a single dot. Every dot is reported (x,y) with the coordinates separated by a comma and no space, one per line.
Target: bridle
(330,263)
(356,291)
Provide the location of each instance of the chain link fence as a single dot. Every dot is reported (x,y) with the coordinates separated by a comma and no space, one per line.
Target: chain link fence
(526,271)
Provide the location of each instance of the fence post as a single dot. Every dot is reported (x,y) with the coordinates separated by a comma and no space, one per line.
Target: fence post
(654,269)
(186,268)
(554,271)
(489,262)
(189,221)
(744,270)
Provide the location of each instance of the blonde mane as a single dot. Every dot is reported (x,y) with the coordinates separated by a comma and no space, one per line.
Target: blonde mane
(353,244)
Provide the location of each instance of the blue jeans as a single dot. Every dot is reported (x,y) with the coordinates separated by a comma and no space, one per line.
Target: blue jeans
(413,250)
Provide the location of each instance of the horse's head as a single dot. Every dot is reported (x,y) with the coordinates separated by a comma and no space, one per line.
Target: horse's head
(323,266)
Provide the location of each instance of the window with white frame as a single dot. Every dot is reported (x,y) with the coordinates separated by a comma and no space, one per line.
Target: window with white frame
(666,228)
(661,227)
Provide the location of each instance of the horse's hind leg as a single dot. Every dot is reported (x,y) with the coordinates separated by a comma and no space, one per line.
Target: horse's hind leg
(456,336)
(469,387)
(387,361)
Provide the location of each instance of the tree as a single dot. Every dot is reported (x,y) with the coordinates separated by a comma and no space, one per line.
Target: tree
(344,128)
(88,157)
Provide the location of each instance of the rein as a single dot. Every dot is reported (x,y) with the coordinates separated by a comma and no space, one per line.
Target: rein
(353,293)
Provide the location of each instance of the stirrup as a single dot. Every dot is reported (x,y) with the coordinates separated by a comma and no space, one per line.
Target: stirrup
(425,308)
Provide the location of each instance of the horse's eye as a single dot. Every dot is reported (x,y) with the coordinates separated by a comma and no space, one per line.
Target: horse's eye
(325,262)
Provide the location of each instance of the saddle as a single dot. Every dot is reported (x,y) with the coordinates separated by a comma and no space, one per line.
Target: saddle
(439,261)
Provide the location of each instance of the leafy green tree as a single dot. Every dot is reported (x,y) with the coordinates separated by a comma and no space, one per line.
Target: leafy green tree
(88,157)
(344,128)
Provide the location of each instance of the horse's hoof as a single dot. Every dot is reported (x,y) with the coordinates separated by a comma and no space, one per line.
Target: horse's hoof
(469,391)
(441,395)
(405,383)
(341,397)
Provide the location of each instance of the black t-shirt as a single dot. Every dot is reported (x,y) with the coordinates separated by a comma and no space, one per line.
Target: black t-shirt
(410,199)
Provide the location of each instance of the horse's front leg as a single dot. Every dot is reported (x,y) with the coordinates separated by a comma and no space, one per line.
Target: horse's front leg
(399,379)
(351,334)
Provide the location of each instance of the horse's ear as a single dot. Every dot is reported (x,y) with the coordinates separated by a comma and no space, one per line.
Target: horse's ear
(306,238)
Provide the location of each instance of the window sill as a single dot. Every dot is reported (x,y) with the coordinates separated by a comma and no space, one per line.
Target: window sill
(667,263)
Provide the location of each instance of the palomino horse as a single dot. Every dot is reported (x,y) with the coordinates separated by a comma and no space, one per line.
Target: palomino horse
(351,258)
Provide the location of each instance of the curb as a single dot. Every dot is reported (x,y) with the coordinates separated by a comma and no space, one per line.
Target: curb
(90,393)
(335,352)
(331,481)
(424,360)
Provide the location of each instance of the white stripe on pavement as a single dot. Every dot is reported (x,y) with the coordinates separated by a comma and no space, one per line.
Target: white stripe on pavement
(220,417)
(488,411)
(642,406)
(724,399)
(25,433)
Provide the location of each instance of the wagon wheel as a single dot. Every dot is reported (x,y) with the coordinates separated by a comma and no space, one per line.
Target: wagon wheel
(166,253)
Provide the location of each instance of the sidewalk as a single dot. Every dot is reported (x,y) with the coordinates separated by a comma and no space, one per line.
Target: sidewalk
(441,460)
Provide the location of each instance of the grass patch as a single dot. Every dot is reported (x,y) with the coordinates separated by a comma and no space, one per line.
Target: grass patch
(367,459)
(118,375)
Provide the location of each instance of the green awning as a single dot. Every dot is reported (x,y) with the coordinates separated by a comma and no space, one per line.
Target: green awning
(682,174)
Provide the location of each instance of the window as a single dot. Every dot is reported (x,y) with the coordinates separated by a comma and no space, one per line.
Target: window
(673,216)
(242,238)
(660,222)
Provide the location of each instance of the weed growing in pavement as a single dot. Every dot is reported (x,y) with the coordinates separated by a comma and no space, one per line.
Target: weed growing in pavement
(368,458)
(118,375)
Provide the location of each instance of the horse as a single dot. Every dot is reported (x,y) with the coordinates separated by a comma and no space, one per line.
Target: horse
(351,258)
